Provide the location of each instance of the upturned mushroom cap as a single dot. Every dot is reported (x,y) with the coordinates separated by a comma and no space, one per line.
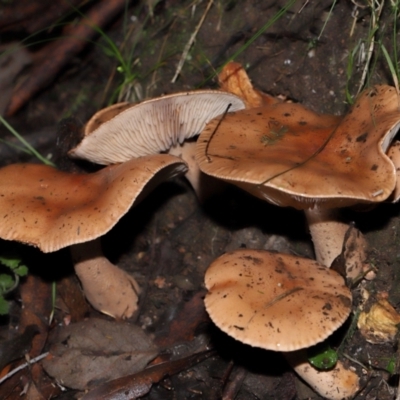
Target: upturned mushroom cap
(105,115)
(50,209)
(154,126)
(292,156)
(275,301)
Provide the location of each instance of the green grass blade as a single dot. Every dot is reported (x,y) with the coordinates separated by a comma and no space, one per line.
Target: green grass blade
(31,149)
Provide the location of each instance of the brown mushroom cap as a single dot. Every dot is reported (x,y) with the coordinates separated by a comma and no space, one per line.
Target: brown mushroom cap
(394,155)
(234,79)
(154,126)
(275,301)
(50,209)
(292,156)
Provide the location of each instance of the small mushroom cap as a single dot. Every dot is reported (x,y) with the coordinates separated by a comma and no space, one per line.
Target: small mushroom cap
(234,79)
(292,156)
(154,126)
(50,209)
(275,301)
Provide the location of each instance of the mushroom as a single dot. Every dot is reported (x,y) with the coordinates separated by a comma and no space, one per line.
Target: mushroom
(394,155)
(153,126)
(275,301)
(50,209)
(336,384)
(234,79)
(284,303)
(291,156)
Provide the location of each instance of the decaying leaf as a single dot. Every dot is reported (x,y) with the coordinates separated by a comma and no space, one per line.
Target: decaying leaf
(94,351)
(352,260)
(137,385)
(16,347)
(379,324)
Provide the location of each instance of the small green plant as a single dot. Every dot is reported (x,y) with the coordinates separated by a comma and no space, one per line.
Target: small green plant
(13,269)
(322,356)
(366,53)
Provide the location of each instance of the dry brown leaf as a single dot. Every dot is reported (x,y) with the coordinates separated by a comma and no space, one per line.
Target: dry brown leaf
(379,324)
(137,385)
(94,351)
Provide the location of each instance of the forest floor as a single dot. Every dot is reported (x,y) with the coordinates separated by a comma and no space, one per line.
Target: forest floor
(313,54)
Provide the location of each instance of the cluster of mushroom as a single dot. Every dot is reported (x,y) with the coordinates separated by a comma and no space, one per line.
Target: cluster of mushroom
(290,156)
(50,209)
(278,151)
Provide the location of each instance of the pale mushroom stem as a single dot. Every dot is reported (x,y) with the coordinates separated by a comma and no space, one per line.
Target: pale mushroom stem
(327,233)
(203,185)
(108,289)
(336,384)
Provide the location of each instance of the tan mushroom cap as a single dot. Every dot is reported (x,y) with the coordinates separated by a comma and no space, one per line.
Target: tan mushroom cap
(275,301)
(394,155)
(50,209)
(291,156)
(154,126)
(234,79)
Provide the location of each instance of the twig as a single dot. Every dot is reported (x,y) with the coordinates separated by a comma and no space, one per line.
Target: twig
(22,366)
(190,42)
(52,58)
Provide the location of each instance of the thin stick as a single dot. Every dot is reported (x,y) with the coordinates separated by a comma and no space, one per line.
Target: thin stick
(190,42)
(22,366)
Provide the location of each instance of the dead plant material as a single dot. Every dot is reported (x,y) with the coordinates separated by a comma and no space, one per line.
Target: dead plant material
(33,16)
(232,388)
(52,58)
(72,297)
(36,298)
(14,58)
(16,347)
(137,385)
(184,325)
(94,351)
(380,323)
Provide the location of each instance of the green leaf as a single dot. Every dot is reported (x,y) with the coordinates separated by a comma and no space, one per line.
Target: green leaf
(322,356)
(10,261)
(6,282)
(391,366)
(22,270)
(4,306)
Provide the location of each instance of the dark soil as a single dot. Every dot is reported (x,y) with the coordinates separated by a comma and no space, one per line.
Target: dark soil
(168,241)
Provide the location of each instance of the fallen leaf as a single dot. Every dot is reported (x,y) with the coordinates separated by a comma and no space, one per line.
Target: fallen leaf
(137,385)
(94,351)
(380,323)
(17,347)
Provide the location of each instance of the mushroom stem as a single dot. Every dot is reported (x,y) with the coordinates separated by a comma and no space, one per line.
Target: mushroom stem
(204,185)
(335,384)
(108,289)
(327,233)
